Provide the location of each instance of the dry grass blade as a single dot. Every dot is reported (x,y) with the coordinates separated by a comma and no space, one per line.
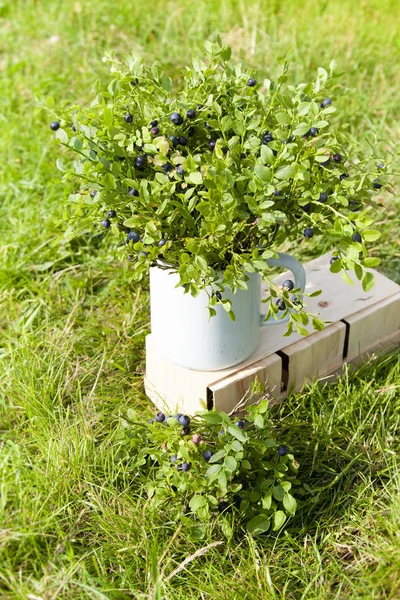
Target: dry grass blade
(189,559)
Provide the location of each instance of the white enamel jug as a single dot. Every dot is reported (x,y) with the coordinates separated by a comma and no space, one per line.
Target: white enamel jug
(184,333)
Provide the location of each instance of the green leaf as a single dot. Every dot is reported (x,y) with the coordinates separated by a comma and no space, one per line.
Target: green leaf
(62,135)
(237,433)
(195,178)
(213,470)
(346,277)
(267,500)
(371,262)
(217,456)
(336,266)
(301,330)
(301,129)
(197,502)
(279,519)
(370,235)
(262,173)
(259,421)
(283,118)
(258,525)
(278,492)
(230,464)
(267,156)
(289,503)
(287,172)
(222,479)
(368,281)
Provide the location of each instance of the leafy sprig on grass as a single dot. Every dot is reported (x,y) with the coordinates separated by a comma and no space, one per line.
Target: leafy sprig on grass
(214,177)
(215,465)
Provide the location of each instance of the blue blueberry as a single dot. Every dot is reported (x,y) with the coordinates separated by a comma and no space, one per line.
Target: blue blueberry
(314,131)
(377,185)
(288,284)
(130,257)
(223,506)
(174,140)
(161,243)
(128,117)
(282,450)
(191,114)
(176,118)
(180,170)
(73,127)
(93,193)
(160,417)
(154,131)
(185,431)
(111,214)
(105,223)
(207,454)
(267,138)
(308,232)
(278,193)
(140,161)
(306,207)
(356,237)
(54,125)
(380,166)
(332,260)
(184,420)
(142,254)
(167,167)
(154,123)
(239,423)
(133,192)
(337,158)
(354,205)
(218,295)
(182,140)
(343,176)
(326,102)
(133,237)
(325,163)
(178,416)
(174,458)
(251,82)
(211,144)
(280,304)
(323,197)
(185,467)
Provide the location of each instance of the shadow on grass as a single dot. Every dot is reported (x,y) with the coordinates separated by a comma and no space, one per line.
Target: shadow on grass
(345,437)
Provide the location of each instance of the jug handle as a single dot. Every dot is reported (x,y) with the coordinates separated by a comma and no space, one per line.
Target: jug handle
(299,274)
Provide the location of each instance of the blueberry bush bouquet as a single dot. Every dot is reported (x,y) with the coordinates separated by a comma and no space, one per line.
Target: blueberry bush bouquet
(194,469)
(215,176)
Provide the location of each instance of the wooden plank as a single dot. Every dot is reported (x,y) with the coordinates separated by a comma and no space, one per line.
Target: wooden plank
(370,327)
(177,384)
(227,393)
(179,402)
(314,357)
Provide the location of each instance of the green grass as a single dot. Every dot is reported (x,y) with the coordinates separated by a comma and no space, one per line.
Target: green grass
(72,329)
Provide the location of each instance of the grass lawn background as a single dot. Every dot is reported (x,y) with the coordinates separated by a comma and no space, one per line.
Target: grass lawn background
(72,329)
